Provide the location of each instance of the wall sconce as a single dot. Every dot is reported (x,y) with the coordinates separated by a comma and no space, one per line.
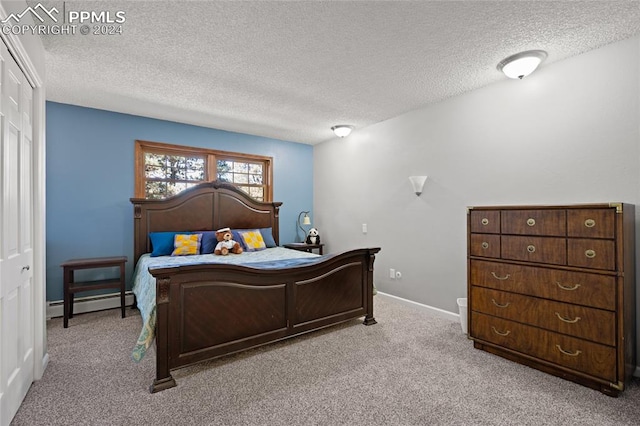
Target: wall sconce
(522,64)
(418,183)
(303,221)
(342,130)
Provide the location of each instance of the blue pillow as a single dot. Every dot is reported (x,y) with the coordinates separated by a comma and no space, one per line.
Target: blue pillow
(209,242)
(267,236)
(162,243)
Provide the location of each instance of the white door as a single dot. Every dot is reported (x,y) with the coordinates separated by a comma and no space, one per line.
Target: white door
(16,237)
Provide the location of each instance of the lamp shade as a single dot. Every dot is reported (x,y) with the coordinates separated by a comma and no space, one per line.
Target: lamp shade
(303,219)
(417,182)
(342,130)
(522,64)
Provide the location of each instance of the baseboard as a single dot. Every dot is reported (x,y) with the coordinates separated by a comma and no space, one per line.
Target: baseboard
(45,363)
(429,309)
(82,305)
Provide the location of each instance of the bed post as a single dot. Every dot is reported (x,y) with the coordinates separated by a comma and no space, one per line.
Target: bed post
(137,229)
(163,380)
(371,257)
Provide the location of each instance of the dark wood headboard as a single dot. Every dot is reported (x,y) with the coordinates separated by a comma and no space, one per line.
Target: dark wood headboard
(205,207)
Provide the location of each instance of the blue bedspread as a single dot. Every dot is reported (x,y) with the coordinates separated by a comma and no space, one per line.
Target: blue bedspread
(144,285)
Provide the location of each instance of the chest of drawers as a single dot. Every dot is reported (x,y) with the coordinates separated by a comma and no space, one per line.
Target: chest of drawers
(553,287)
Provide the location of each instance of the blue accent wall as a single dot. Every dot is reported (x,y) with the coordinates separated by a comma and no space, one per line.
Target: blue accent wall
(90,178)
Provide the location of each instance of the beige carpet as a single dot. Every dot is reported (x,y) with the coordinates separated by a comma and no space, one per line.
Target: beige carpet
(409,369)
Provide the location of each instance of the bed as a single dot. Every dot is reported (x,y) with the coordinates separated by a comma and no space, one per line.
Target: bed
(201,310)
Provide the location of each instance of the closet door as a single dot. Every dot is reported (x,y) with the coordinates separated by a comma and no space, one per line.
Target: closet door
(16,237)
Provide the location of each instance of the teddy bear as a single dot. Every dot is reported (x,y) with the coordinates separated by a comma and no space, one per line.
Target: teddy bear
(226,243)
(313,237)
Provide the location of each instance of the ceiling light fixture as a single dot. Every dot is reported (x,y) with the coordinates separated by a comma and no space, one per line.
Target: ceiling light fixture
(342,130)
(522,64)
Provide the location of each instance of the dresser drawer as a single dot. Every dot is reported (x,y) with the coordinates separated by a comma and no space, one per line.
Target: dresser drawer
(484,221)
(596,325)
(596,254)
(580,288)
(591,223)
(484,245)
(577,354)
(534,222)
(535,249)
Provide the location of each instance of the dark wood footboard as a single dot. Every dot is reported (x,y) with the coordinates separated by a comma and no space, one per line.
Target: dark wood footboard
(208,311)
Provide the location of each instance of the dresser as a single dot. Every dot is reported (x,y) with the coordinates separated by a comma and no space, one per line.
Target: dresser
(553,287)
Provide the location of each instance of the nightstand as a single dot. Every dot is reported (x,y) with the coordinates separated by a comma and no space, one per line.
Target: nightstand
(305,247)
(71,286)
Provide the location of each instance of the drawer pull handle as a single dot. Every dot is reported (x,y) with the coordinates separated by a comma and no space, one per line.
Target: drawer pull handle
(499,305)
(531,221)
(576,353)
(574,287)
(485,245)
(484,221)
(589,223)
(25,268)
(506,333)
(570,321)
(590,253)
(506,277)
(531,248)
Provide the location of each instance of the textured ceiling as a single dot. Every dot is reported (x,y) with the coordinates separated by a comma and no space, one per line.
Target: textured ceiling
(291,70)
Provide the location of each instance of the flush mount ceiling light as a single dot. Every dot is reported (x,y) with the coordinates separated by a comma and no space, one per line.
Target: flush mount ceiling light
(522,64)
(342,130)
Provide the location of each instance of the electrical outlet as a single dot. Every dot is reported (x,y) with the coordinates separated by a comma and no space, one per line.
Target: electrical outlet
(392,273)
(364,228)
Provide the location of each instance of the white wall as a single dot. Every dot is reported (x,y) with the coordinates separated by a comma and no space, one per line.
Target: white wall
(569,133)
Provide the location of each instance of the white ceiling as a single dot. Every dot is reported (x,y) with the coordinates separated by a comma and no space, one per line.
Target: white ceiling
(291,70)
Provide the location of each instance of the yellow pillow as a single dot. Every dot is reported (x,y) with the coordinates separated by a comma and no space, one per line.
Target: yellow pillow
(186,244)
(253,240)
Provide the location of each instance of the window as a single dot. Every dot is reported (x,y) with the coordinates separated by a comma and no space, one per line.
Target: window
(167,174)
(163,170)
(247,175)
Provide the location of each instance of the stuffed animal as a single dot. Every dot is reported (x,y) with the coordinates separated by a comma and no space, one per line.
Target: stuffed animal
(226,243)
(313,237)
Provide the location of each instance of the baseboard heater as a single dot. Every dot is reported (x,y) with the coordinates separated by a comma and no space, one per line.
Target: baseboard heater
(86,304)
